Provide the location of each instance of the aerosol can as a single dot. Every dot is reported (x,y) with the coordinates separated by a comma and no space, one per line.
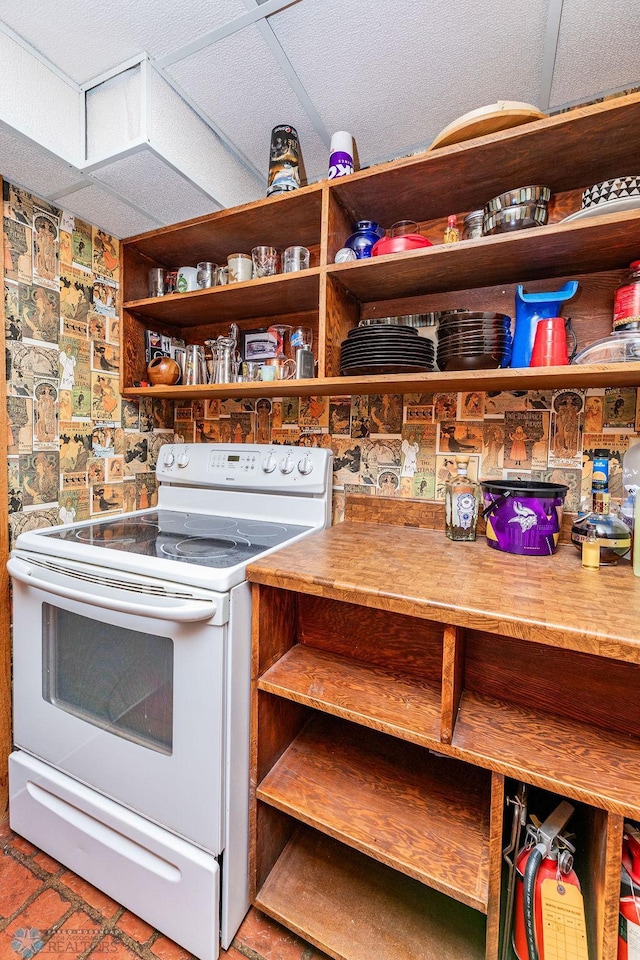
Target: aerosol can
(548,902)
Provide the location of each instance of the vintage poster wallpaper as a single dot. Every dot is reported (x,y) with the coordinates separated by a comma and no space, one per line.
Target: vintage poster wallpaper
(78,449)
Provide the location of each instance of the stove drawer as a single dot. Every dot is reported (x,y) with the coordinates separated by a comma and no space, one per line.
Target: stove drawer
(158,876)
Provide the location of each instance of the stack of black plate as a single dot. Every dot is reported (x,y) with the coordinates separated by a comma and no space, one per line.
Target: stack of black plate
(474,341)
(385,349)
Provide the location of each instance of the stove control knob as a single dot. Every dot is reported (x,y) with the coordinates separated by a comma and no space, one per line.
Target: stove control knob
(169,459)
(305,466)
(183,460)
(269,464)
(287,465)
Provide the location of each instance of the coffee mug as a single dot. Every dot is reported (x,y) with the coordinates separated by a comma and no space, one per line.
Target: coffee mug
(283,369)
(187,279)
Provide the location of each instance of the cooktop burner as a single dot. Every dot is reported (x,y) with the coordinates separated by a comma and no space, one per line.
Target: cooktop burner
(185,537)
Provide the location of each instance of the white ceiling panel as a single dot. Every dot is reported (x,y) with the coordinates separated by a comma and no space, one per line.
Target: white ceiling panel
(598,49)
(238,83)
(107,212)
(151,184)
(394,75)
(113,112)
(84,39)
(26,164)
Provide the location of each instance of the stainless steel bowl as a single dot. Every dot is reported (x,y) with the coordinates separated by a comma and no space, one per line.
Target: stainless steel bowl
(516,198)
(516,218)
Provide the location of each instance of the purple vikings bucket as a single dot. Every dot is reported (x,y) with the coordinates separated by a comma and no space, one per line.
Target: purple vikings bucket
(523,516)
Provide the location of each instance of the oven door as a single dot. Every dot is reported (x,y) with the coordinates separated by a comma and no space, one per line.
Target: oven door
(119,682)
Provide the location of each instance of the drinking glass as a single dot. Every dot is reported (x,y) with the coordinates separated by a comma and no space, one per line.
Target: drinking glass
(156,282)
(301,337)
(295,258)
(404,227)
(207,274)
(282,333)
(265,261)
(251,370)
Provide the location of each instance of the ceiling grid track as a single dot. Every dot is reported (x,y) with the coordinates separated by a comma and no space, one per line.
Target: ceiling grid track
(549,51)
(284,63)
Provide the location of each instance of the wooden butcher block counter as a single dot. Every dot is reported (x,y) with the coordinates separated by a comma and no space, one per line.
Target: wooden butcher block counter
(401,684)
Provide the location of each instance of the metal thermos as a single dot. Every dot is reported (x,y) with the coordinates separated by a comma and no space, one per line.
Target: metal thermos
(305,364)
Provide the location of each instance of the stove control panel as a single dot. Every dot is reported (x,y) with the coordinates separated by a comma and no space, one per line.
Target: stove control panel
(260,467)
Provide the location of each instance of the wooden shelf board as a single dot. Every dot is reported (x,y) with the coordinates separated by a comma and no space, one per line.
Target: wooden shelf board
(576,759)
(269,296)
(607,242)
(353,908)
(278,221)
(531,378)
(392,703)
(425,816)
(601,140)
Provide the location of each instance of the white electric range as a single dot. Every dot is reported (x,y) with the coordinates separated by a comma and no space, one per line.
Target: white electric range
(131,650)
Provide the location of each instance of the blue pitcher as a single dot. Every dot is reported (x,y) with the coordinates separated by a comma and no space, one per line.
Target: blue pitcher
(531,307)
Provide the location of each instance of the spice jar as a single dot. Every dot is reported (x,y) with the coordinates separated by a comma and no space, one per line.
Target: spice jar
(626,304)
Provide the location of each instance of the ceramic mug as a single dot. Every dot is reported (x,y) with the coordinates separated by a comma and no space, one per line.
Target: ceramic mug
(187,279)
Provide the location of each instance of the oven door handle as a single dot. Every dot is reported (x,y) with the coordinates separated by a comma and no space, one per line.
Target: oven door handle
(160,608)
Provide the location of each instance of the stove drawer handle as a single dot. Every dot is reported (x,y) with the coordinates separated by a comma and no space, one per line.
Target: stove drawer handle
(159,607)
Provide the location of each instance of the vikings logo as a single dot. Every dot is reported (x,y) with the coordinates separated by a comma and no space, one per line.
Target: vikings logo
(525,517)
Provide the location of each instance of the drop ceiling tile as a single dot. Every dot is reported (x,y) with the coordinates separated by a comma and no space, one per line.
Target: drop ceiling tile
(241,87)
(151,184)
(394,75)
(598,50)
(84,39)
(107,212)
(24,163)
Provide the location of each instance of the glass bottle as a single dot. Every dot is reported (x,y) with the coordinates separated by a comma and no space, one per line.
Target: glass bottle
(591,549)
(461,503)
(451,233)
(612,534)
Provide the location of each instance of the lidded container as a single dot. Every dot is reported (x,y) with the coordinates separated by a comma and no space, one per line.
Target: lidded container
(626,304)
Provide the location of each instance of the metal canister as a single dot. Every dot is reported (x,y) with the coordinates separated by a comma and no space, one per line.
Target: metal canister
(305,364)
(284,157)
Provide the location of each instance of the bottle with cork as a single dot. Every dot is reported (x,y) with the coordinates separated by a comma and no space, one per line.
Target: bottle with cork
(461,503)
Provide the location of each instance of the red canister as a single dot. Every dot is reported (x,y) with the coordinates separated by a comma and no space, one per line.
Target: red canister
(626,304)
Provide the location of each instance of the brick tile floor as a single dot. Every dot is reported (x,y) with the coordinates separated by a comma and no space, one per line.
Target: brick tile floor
(49,913)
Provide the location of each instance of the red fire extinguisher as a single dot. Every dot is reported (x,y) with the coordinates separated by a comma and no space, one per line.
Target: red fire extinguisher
(546,855)
(629,925)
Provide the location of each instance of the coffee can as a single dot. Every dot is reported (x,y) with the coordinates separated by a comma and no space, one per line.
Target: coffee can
(284,159)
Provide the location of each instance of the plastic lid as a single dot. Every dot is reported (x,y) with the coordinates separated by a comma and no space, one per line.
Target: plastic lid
(635,265)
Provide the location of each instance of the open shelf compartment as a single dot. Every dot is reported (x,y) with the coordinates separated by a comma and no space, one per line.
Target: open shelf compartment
(353,908)
(547,715)
(426,816)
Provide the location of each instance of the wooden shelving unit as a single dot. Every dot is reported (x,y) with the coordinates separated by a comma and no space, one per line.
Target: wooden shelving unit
(594,142)
(388,711)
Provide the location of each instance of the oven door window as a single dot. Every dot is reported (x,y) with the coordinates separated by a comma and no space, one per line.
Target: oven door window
(117,679)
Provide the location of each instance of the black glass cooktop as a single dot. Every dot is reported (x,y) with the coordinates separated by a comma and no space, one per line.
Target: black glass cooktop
(185,537)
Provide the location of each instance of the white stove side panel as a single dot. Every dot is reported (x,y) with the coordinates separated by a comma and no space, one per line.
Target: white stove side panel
(235,864)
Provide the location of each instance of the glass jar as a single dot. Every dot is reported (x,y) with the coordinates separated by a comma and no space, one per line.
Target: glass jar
(626,303)
(367,233)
